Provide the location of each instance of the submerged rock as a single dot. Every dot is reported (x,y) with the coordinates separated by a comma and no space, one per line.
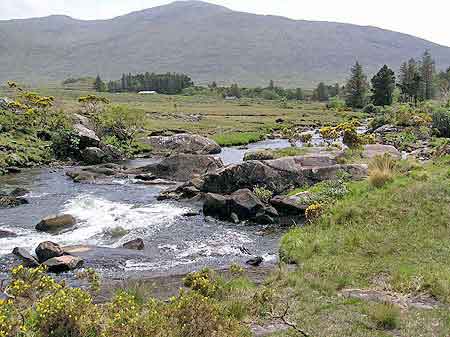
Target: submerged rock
(47,250)
(136,244)
(7,234)
(255,262)
(19,192)
(63,263)
(183,143)
(55,223)
(7,201)
(94,174)
(27,259)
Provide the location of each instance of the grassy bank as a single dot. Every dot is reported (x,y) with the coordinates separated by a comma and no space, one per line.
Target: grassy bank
(390,240)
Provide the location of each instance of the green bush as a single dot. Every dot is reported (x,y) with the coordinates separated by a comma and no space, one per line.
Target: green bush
(441,122)
(371,109)
(65,144)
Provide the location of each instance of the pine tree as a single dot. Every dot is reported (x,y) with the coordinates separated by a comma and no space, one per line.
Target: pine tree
(321,93)
(383,86)
(357,88)
(410,82)
(427,73)
(99,85)
(235,91)
(299,96)
(271,85)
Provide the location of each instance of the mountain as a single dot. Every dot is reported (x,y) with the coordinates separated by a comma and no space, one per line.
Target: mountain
(206,41)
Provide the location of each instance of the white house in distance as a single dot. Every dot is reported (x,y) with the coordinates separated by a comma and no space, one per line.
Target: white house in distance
(146,92)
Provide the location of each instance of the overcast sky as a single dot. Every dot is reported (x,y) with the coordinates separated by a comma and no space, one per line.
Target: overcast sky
(426,19)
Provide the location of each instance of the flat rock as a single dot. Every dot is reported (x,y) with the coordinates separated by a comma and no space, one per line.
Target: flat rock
(63,263)
(27,259)
(372,150)
(183,167)
(289,205)
(183,143)
(55,223)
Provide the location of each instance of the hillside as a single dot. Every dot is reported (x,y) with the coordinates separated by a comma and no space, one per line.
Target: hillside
(208,42)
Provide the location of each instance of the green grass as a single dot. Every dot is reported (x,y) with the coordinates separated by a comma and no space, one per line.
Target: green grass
(238,138)
(392,239)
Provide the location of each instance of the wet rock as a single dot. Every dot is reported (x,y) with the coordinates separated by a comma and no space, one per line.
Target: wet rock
(245,204)
(7,234)
(387,128)
(183,167)
(136,244)
(13,170)
(158,182)
(87,137)
(10,201)
(183,143)
(288,205)
(93,174)
(240,205)
(27,259)
(47,250)
(255,262)
(191,214)
(145,177)
(93,156)
(55,223)
(113,154)
(19,192)
(217,205)
(372,150)
(63,263)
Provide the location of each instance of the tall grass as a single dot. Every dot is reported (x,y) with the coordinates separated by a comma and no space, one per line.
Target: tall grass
(382,170)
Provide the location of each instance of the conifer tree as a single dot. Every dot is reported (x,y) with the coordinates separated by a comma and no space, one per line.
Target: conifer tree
(356,88)
(427,73)
(383,86)
(99,85)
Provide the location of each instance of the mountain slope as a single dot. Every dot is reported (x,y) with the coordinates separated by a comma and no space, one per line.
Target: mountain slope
(207,41)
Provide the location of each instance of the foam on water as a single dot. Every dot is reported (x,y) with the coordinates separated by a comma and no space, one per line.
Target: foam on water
(94,216)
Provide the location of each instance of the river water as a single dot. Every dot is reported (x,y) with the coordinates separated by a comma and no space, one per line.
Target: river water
(174,243)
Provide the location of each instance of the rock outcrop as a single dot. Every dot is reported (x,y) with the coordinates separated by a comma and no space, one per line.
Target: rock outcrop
(100,173)
(372,150)
(87,137)
(55,223)
(183,143)
(183,167)
(289,205)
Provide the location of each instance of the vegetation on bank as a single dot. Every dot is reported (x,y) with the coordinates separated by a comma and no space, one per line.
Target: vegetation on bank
(386,235)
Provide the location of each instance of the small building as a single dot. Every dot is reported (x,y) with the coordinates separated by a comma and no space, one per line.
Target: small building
(146,92)
(230,98)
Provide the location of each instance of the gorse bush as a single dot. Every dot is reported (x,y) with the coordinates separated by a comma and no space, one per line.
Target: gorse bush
(263,194)
(41,307)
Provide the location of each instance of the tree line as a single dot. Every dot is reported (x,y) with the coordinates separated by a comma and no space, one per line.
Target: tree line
(169,83)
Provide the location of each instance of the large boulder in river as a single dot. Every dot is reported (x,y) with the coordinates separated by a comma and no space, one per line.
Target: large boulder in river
(63,263)
(183,167)
(47,250)
(88,138)
(183,143)
(136,244)
(372,150)
(55,223)
(93,156)
(242,205)
(278,175)
(99,173)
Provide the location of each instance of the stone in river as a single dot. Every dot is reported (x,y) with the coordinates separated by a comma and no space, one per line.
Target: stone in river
(47,250)
(27,259)
(136,244)
(55,222)
(255,262)
(63,263)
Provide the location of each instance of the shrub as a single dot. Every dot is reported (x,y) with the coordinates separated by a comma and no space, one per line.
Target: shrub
(65,144)
(385,316)
(378,121)
(441,122)
(336,104)
(381,170)
(263,194)
(371,109)
(313,212)
(305,137)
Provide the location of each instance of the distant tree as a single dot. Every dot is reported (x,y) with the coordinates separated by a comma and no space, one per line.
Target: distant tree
(234,91)
(427,73)
(213,85)
(299,96)
(321,93)
(356,88)
(99,85)
(410,82)
(444,85)
(383,86)
(271,85)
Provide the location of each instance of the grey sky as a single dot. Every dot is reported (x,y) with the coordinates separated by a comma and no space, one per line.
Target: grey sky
(407,16)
